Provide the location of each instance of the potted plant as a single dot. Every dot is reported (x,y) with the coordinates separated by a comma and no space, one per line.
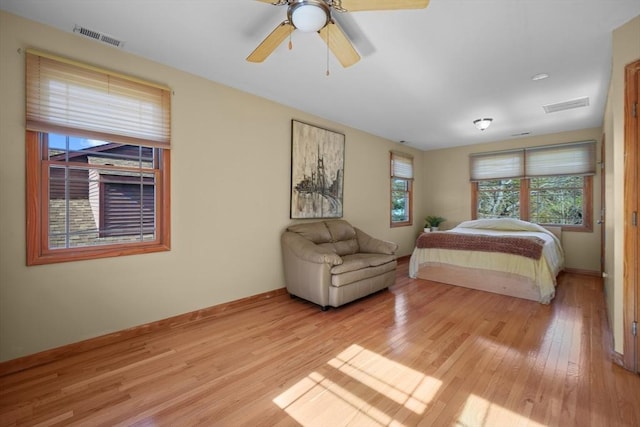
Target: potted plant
(433,222)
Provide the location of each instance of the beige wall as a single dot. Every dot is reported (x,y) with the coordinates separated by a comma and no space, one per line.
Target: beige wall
(448,192)
(230,202)
(626,49)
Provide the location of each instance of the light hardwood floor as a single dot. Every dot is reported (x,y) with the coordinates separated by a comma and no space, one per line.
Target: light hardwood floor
(422,353)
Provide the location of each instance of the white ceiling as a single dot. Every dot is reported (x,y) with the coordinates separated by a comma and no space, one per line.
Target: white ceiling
(424,76)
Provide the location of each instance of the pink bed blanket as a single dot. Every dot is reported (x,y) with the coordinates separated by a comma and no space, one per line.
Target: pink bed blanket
(527,246)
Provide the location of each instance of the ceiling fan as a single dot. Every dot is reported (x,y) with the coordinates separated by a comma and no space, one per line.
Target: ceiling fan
(316,15)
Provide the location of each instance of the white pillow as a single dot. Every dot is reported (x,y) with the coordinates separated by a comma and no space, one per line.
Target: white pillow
(506,224)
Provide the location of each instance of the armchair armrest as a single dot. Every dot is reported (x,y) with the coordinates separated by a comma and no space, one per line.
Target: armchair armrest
(309,251)
(372,245)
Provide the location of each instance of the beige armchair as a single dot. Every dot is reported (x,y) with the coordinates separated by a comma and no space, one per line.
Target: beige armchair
(331,263)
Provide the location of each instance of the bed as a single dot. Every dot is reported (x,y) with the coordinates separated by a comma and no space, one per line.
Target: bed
(505,256)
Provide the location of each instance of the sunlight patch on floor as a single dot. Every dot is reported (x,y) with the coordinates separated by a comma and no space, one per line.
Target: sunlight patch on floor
(362,384)
(478,412)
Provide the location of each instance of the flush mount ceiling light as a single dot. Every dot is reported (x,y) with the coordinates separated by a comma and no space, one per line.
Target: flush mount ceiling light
(482,124)
(309,15)
(540,76)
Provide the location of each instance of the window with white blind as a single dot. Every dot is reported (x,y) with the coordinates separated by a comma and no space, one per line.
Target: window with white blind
(97,162)
(401,189)
(550,185)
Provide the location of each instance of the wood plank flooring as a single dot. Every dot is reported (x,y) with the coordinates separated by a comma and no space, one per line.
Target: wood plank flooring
(422,353)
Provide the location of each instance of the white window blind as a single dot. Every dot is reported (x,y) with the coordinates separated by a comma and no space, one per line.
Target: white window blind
(72,98)
(577,158)
(497,165)
(401,165)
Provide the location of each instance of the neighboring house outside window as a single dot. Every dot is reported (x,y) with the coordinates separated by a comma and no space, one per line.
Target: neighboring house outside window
(401,189)
(127,207)
(97,163)
(548,185)
(99,190)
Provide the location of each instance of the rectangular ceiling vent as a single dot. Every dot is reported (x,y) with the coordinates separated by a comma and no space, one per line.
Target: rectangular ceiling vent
(97,35)
(566,105)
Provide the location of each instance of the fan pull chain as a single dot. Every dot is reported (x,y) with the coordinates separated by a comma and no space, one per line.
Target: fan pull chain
(328,38)
(290,42)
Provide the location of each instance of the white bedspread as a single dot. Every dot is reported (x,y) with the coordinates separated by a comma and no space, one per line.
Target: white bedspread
(542,272)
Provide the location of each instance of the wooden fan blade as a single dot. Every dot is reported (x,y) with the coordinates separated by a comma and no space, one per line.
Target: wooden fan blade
(356,5)
(271,42)
(339,44)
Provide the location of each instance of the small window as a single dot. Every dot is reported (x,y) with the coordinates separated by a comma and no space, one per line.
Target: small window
(97,162)
(401,189)
(104,199)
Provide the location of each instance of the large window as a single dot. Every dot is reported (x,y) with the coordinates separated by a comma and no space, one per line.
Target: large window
(401,189)
(97,163)
(549,185)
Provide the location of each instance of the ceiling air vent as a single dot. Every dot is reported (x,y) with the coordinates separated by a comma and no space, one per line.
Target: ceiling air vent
(566,105)
(97,35)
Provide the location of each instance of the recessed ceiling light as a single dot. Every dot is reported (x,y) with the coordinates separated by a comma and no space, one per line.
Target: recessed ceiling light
(540,76)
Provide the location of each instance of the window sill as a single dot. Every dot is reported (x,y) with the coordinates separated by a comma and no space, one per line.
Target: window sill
(67,255)
(401,224)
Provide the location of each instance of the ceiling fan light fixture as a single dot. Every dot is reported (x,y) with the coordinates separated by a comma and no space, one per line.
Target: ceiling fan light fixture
(482,124)
(309,15)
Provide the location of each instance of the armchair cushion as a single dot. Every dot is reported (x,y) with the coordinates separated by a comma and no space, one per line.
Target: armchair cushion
(376,246)
(343,236)
(317,232)
(359,261)
(308,251)
(357,276)
(338,235)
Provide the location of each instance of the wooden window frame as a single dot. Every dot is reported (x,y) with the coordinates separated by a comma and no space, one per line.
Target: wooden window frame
(587,219)
(398,172)
(409,192)
(37,209)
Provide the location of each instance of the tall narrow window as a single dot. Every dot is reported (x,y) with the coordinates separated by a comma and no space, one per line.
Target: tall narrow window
(401,189)
(97,162)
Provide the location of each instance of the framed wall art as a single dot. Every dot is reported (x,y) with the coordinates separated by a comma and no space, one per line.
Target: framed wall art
(317,172)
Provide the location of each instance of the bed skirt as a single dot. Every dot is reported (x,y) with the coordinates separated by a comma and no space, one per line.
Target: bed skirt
(484,280)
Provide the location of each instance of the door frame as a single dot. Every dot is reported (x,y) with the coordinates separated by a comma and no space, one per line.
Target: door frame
(603,205)
(630,303)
